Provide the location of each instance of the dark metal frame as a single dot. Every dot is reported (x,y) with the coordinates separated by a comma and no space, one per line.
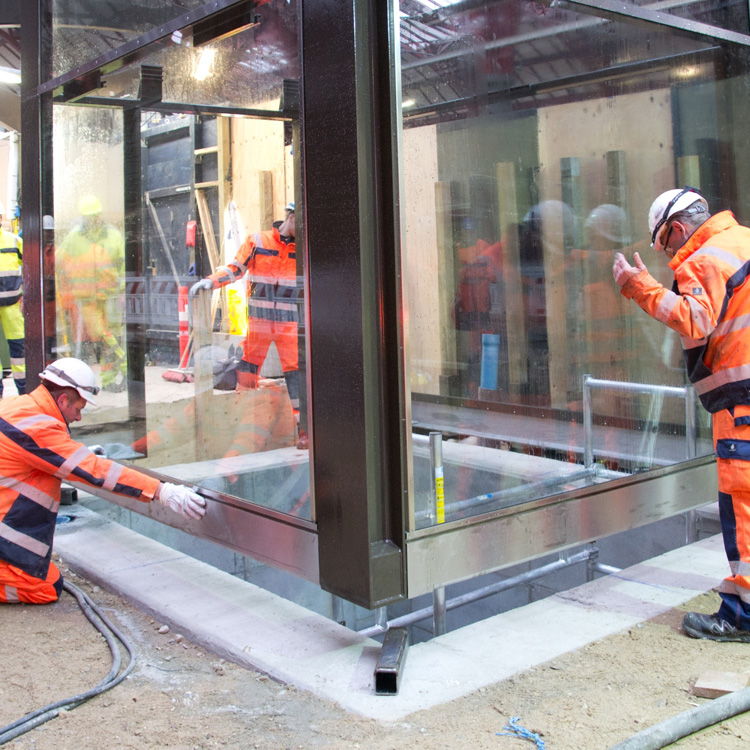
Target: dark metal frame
(349,185)
(354,354)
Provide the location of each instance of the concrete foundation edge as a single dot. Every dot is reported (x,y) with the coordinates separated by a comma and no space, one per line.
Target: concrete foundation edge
(257,629)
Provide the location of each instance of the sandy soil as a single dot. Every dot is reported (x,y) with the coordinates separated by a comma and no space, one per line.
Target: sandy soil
(181,697)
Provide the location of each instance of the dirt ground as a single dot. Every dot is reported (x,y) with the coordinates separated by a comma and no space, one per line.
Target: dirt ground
(179,696)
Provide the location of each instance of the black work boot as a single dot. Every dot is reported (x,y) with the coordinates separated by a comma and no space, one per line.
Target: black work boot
(713,628)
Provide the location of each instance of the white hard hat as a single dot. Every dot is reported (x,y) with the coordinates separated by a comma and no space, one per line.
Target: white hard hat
(668,204)
(73,373)
(48,222)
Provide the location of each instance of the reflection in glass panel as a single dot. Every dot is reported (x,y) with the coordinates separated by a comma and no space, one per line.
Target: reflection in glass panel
(207,387)
(534,141)
(247,69)
(82,31)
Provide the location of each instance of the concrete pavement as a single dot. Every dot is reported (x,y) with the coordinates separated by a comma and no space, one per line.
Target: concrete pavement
(255,628)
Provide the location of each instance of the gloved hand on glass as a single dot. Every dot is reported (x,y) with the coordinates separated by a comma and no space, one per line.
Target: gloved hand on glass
(181,500)
(98,450)
(199,286)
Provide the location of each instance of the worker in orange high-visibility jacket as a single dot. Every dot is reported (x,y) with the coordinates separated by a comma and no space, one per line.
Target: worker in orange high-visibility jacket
(273,294)
(709,306)
(11,304)
(37,454)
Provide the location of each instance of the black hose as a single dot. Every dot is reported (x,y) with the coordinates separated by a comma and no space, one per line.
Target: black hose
(108,630)
(670,730)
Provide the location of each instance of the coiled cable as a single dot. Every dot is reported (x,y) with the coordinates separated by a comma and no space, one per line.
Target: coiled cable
(111,635)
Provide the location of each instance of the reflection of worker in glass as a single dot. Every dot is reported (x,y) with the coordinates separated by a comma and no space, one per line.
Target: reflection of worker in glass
(242,423)
(478,310)
(544,236)
(603,330)
(269,259)
(90,277)
(11,303)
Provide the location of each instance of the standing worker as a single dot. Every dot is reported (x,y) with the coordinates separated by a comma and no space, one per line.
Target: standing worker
(11,303)
(709,306)
(90,271)
(269,259)
(37,454)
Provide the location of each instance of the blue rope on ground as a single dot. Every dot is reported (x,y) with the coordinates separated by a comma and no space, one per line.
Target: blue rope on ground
(514,730)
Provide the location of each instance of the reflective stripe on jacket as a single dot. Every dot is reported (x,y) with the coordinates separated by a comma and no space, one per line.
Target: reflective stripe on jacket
(709,306)
(273,288)
(36,455)
(11,275)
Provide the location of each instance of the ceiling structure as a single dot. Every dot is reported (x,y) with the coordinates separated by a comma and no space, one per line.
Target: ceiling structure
(457,56)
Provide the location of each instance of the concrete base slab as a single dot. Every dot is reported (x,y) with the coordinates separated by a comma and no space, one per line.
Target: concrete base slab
(252,627)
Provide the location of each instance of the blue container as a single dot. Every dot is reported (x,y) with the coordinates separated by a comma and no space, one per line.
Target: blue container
(490,352)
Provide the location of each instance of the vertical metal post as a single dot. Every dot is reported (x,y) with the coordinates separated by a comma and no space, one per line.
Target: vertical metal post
(347,108)
(691,430)
(337,610)
(591,562)
(588,425)
(438,610)
(381,618)
(438,481)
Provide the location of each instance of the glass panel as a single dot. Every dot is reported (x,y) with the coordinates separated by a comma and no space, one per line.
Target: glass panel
(534,141)
(83,31)
(205,388)
(248,69)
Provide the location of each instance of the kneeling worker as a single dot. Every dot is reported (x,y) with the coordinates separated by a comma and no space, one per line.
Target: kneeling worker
(36,455)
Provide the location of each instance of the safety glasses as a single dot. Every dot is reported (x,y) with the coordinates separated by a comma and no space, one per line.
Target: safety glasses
(92,389)
(665,217)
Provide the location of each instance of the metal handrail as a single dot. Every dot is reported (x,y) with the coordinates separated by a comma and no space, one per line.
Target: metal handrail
(590,383)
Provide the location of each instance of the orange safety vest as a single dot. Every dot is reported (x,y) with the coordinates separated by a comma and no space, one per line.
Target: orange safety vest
(36,455)
(270,262)
(708,306)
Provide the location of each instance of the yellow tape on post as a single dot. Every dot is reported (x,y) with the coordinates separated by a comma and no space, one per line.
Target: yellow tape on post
(439,494)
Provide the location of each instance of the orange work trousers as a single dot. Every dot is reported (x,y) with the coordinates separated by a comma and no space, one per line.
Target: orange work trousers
(731,429)
(17,587)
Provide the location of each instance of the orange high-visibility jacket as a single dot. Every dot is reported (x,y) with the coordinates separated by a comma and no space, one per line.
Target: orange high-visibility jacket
(270,261)
(36,455)
(709,307)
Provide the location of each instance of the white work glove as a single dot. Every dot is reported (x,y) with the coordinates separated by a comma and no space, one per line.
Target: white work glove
(181,500)
(199,286)
(98,450)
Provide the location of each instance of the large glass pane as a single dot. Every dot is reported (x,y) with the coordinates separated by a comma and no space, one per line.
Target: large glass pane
(209,387)
(534,141)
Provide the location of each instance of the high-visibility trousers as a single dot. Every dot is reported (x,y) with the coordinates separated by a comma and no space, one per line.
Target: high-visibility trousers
(17,587)
(260,334)
(11,319)
(731,430)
